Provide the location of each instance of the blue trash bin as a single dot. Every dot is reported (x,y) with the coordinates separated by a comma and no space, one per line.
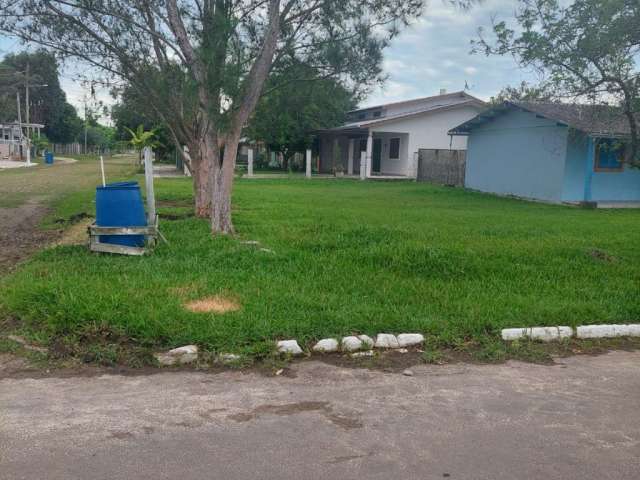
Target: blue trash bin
(120,205)
(48,158)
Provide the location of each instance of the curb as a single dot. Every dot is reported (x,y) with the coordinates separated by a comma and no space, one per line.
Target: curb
(547,334)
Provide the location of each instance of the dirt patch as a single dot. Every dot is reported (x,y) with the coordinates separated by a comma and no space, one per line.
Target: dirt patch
(76,234)
(341,420)
(20,236)
(602,255)
(216,304)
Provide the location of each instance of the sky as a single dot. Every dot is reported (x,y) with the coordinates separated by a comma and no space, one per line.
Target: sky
(431,54)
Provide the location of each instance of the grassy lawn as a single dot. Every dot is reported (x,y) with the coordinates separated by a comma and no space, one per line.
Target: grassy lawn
(343,257)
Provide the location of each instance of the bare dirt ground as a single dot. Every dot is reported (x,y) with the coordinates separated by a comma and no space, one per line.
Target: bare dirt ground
(19,233)
(25,198)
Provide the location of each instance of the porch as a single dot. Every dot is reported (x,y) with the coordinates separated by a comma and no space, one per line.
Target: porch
(365,153)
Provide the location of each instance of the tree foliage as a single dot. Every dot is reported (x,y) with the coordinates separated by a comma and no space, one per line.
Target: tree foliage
(588,49)
(297,102)
(524,92)
(48,104)
(201,65)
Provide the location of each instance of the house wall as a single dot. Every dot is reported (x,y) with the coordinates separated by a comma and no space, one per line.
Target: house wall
(423,131)
(518,154)
(583,183)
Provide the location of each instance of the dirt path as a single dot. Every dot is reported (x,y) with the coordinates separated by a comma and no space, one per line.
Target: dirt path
(19,233)
(26,196)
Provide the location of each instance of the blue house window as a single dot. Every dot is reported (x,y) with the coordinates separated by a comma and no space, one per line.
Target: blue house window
(609,155)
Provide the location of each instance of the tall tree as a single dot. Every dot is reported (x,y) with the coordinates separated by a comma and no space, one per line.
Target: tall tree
(588,49)
(202,64)
(524,92)
(47,100)
(298,101)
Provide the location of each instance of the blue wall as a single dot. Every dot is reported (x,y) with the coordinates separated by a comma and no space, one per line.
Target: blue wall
(577,165)
(519,154)
(581,182)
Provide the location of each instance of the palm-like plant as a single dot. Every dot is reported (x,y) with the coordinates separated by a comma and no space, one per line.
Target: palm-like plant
(141,139)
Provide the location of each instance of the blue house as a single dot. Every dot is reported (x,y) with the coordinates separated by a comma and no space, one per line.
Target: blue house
(554,152)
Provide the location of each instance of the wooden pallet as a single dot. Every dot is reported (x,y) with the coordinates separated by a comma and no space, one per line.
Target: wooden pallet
(151,234)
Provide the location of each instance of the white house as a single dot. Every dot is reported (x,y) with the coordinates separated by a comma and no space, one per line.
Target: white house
(383,141)
(14,140)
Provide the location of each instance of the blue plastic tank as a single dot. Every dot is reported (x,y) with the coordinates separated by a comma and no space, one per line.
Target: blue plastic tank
(48,158)
(120,205)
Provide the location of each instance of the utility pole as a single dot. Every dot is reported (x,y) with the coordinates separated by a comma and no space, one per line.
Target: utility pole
(85,124)
(20,127)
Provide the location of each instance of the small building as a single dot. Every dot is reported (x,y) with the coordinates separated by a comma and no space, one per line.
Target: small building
(555,152)
(13,139)
(391,135)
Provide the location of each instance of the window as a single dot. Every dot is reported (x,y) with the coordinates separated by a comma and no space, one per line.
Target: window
(377,114)
(394,149)
(362,116)
(609,155)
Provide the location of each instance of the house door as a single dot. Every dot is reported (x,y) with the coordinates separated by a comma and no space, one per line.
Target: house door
(376,155)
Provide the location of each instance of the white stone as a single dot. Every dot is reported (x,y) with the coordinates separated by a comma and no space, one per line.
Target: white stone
(402,350)
(228,357)
(289,346)
(326,345)
(409,339)
(407,372)
(386,340)
(351,344)
(545,334)
(180,355)
(608,331)
(367,341)
(366,353)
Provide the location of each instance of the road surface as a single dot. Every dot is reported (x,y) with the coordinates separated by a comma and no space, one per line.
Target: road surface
(578,419)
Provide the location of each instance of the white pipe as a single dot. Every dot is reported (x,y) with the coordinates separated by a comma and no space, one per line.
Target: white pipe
(104,183)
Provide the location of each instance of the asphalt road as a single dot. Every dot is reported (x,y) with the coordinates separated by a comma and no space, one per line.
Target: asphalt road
(575,420)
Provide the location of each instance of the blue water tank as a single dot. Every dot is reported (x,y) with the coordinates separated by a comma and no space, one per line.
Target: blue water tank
(48,158)
(120,205)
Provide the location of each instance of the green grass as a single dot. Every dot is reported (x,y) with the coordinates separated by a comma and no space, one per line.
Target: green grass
(348,257)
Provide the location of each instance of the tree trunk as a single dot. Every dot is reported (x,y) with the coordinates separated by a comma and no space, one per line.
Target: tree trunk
(221,221)
(201,172)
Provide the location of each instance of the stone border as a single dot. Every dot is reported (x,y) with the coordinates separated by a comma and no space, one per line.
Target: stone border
(356,345)
(547,334)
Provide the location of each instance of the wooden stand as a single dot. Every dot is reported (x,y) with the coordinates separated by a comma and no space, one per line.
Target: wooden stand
(150,232)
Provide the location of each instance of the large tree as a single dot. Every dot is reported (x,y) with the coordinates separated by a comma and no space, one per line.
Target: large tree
(202,64)
(587,49)
(297,102)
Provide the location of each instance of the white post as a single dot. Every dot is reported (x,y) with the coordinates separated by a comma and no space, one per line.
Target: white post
(28,144)
(369,153)
(363,165)
(250,162)
(350,157)
(104,183)
(148,177)
(187,172)
(308,170)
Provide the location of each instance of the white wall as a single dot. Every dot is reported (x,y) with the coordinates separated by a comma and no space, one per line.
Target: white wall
(428,130)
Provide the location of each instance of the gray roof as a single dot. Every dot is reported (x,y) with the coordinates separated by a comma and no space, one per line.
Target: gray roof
(592,119)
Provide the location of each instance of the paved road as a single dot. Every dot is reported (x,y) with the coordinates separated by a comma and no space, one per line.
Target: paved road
(576,420)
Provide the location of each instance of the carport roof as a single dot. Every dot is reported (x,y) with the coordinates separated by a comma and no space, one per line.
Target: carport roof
(595,120)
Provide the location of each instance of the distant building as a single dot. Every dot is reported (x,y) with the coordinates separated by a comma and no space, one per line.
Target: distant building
(13,139)
(391,135)
(556,152)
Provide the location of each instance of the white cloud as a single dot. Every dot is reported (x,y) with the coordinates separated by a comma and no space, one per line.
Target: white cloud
(470,70)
